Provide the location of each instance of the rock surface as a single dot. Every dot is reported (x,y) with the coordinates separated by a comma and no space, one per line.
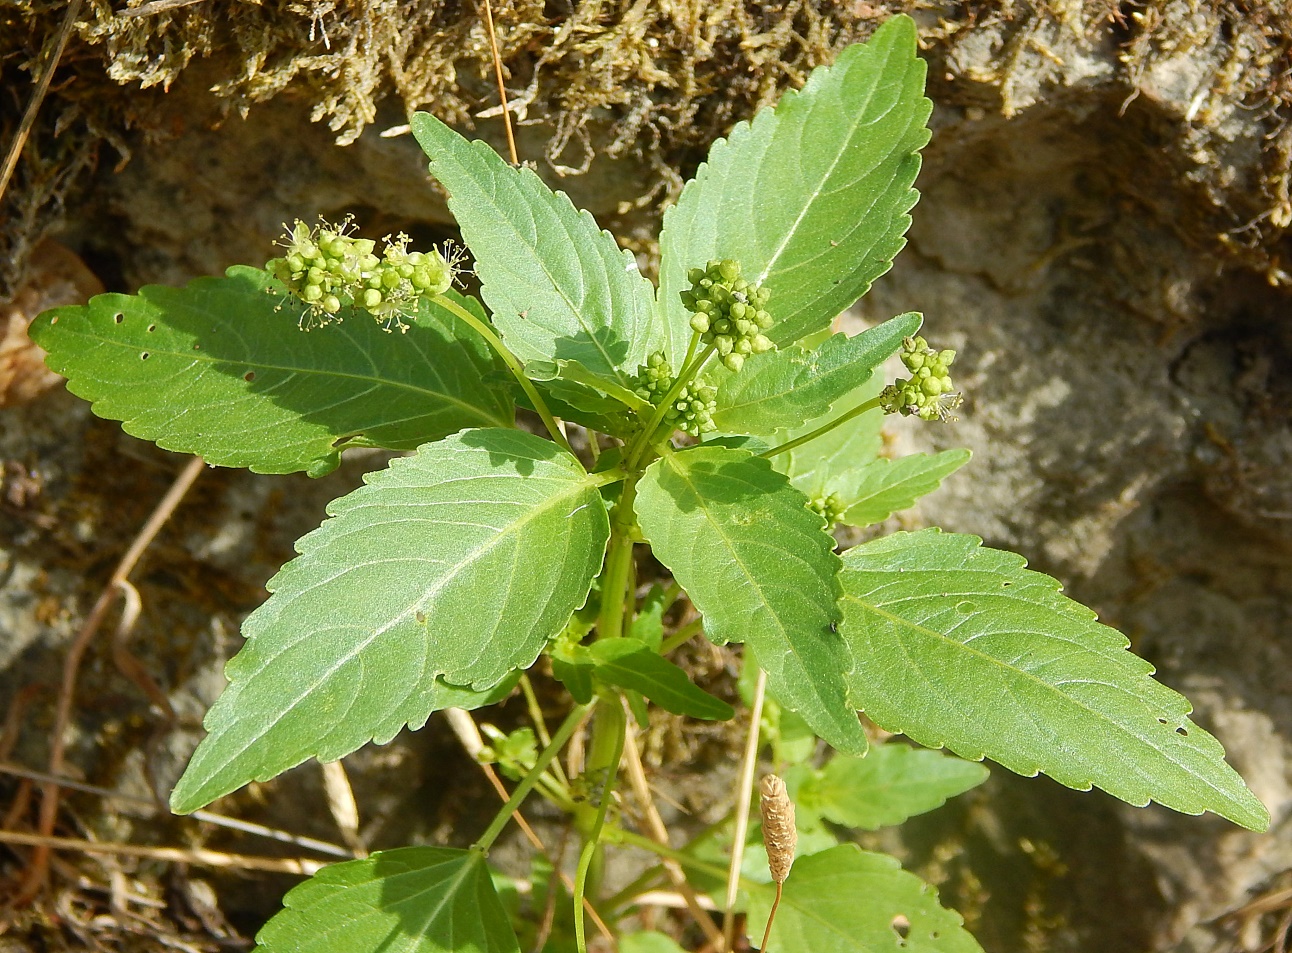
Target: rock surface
(1127,365)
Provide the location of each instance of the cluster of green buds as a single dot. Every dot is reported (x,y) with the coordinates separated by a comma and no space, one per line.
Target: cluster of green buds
(514,753)
(729,312)
(830,508)
(328,268)
(691,410)
(928,393)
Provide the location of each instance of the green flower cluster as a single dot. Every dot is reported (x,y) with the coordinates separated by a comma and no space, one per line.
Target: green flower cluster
(327,268)
(927,394)
(729,312)
(690,411)
(830,508)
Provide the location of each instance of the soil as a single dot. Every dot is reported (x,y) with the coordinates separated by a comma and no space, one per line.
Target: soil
(1102,236)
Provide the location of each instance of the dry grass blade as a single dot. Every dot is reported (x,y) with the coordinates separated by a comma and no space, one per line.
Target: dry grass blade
(38,97)
(49,795)
(747,766)
(502,89)
(657,832)
(208,858)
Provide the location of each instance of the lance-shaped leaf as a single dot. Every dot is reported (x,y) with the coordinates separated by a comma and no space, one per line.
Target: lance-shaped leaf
(760,567)
(959,646)
(560,288)
(846,900)
(221,368)
(629,663)
(785,388)
(410,900)
(460,562)
(893,782)
(884,487)
(811,198)
(828,464)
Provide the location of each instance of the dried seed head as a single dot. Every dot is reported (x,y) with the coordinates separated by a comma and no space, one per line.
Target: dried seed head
(779,834)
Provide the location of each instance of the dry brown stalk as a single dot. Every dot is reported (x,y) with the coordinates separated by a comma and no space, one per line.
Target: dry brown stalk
(49,794)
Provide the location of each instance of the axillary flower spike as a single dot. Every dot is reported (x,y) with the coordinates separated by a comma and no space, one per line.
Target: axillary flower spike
(928,393)
(729,312)
(328,268)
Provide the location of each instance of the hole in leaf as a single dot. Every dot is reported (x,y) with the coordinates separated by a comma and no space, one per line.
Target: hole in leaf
(421,617)
(1006,584)
(143,356)
(197,347)
(54,320)
(249,376)
(902,927)
(934,935)
(1182,731)
(118,318)
(964,608)
(151,328)
(1161,721)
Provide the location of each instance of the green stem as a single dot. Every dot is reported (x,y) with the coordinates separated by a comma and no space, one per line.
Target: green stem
(563,733)
(619,564)
(607,748)
(825,429)
(689,369)
(512,363)
(540,725)
(681,636)
(672,853)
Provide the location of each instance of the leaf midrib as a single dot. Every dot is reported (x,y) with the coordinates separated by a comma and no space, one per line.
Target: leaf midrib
(1052,689)
(342,660)
(206,358)
(858,113)
(739,562)
(554,204)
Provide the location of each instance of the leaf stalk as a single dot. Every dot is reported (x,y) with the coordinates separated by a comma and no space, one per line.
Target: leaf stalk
(563,733)
(824,429)
(512,363)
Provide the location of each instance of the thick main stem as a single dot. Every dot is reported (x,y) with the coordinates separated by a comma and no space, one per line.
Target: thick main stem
(691,366)
(512,363)
(608,729)
(615,591)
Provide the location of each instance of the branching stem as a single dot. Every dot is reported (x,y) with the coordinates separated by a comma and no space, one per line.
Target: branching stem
(563,733)
(690,367)
(512,363)
(616,598)
(824,429)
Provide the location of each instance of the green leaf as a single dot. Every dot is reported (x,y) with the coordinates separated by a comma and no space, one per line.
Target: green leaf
(575,372)
(761,569)
(829,463)
(461,561)
(782,389)
(628,663)
(560,289)
(959,646)
(846,900)
(410,900)
(884,487)
(811,198)
(220,368)
(893,782)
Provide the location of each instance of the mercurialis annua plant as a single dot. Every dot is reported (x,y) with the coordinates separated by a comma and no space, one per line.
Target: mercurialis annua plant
(714,419)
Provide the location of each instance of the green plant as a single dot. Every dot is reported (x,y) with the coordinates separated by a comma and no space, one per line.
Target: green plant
(446,577)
